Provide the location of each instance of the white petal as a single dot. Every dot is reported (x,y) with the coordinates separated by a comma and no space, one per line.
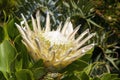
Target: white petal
(26,24)
(47,27)
(66,54)
(65,26)
(38,21)
(82,35)
(86,48)
(80,52)
(72,35)
(34,24)
(69,29)
(85,40)
(20,30)
(59,27)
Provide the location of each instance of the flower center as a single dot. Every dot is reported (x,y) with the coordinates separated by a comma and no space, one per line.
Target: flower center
(55,37)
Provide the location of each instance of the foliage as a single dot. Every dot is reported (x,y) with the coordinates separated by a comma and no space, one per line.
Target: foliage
(100,63)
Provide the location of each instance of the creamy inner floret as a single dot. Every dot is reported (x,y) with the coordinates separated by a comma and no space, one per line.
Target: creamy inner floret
(55,37)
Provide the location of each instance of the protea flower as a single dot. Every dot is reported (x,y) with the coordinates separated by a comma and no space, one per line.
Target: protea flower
(57,48)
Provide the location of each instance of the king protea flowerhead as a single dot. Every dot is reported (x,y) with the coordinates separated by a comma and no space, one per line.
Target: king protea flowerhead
(57,48)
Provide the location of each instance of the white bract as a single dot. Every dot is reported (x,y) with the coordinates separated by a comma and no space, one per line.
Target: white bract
(57,48)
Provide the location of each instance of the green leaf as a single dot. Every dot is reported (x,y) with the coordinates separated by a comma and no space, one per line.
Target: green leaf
(2,76)
(70,77)
(112,61)
(88,5)
(24,74)
(81,75)
(18,64)
(78,65)
(95,24)
(22,60)
(116,79)
(1,34)
(96,78)
(66,4)
(107,76)
(38,72)
(38,69)
(7,56)
(87,56)
(38,64)
(73,4)
(11,29)
(87,70)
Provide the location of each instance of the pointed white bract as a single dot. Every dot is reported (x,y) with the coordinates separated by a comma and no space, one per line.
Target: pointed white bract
(47,29)
(56,48)
(59,27)
(38,21)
